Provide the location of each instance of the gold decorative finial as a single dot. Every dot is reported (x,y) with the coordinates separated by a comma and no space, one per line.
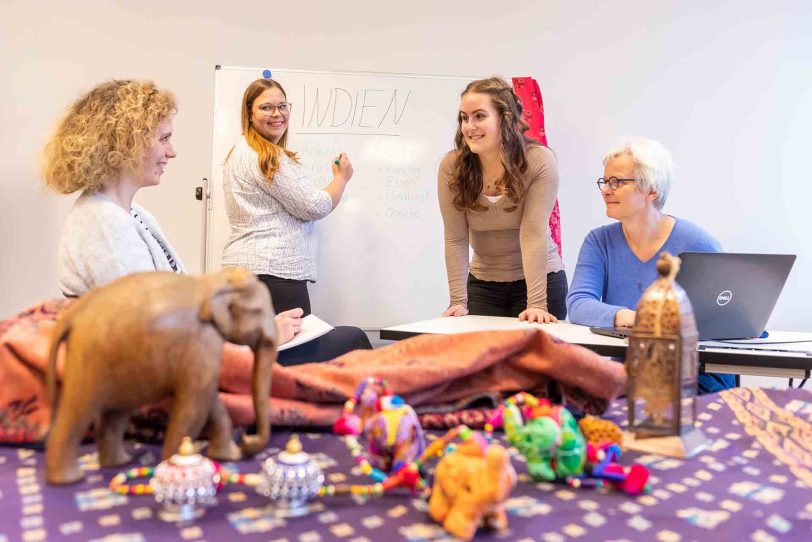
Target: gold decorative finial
(186,448)
(294,446)
(668,265)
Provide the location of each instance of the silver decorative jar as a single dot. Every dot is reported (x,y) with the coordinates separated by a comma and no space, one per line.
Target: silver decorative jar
(185,484)
(291,480)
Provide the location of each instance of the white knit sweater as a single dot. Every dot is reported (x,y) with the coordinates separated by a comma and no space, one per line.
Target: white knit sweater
(101,241)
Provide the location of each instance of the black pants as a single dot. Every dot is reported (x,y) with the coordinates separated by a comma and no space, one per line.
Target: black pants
(488,298)
(288,294)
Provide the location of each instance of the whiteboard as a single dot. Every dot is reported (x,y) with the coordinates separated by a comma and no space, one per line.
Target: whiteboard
(380,257)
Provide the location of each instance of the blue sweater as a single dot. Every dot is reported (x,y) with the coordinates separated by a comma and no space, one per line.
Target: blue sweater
(609,277)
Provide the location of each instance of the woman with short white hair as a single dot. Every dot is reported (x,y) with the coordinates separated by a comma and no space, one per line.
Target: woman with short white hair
(618,261)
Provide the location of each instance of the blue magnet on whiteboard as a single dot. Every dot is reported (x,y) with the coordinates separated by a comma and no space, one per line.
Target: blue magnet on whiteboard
(266,74)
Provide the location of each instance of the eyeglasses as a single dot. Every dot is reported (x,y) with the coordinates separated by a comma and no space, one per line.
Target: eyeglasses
(267,110)
(613,182)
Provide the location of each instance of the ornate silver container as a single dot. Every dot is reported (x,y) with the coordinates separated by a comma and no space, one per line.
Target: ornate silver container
(292,479)
(184,484)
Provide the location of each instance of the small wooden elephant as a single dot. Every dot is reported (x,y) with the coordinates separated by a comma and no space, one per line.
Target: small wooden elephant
(151,336)
(471,485)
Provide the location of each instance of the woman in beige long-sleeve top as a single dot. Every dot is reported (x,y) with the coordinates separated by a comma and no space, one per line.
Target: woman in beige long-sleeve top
(496,192)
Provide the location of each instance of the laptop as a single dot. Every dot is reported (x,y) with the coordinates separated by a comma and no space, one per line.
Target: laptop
(733,295)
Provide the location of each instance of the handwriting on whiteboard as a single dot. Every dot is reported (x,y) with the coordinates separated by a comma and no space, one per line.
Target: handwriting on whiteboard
(368,111)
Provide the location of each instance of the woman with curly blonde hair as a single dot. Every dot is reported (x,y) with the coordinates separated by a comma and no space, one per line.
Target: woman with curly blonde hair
(113,141)
(496,191)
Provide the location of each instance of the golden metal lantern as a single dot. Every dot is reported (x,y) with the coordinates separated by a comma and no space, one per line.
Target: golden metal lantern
(662,367)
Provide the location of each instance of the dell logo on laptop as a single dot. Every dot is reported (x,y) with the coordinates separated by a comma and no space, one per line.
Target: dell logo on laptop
(724,298)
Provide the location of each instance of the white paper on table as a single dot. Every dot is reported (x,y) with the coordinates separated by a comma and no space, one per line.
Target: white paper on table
(312,327)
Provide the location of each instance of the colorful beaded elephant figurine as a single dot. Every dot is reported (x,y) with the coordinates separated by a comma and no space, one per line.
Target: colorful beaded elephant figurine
(393,433)
(546,435)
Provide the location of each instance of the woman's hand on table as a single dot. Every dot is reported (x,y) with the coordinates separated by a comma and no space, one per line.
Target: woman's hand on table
(537,315)
(625,318)
(455,310)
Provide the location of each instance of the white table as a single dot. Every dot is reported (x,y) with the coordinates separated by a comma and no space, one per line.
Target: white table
(784,354)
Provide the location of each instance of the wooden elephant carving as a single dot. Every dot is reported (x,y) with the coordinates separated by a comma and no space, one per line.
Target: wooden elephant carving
(147,337)
(471,485)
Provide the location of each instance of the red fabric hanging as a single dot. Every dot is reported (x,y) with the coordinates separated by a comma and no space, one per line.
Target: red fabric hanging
(528,90)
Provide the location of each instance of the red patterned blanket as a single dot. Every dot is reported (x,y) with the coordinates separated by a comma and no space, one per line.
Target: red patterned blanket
(437,373)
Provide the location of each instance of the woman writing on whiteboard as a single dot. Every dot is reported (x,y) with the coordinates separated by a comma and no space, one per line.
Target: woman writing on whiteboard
(496,191)
(271,206)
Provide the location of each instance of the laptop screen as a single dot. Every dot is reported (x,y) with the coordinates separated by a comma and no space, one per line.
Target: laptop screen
(733,295)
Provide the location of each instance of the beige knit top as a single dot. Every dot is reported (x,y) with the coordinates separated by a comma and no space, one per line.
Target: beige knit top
(507,246)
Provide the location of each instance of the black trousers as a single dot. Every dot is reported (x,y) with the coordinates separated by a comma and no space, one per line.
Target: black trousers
(488,298)
(288,294)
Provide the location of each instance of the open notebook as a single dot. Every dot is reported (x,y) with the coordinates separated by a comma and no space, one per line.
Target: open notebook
(312,327)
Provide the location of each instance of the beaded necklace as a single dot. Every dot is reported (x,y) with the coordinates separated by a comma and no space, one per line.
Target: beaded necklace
(119,482)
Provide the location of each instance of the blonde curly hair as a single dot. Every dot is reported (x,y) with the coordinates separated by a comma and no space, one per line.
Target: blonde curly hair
(104,135)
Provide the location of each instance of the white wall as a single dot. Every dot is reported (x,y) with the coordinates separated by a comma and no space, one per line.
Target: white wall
(727,86)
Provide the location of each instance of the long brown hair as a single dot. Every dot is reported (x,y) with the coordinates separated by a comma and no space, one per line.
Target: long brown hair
(468,171)
(267,150)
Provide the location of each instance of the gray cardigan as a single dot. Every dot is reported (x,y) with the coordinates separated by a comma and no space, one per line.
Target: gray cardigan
(100,242)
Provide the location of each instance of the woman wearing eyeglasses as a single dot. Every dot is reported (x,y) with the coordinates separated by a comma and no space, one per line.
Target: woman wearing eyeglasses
(496,192)
(617,262)
(271,206)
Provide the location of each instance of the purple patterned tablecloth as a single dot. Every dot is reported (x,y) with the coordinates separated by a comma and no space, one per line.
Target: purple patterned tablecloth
(753,483)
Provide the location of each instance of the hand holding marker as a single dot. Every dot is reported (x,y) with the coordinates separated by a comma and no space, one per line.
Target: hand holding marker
(342,173)
(342,167)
